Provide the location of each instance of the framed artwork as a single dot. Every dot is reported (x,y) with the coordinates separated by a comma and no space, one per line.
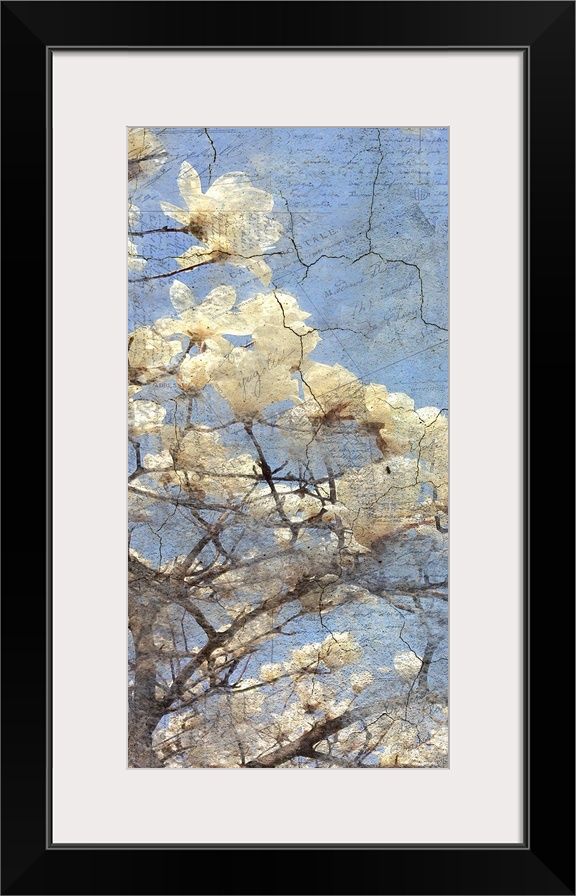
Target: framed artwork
(322,240)
(288,440)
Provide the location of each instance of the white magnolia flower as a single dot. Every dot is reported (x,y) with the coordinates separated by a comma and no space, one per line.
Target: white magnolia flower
(250,379)
(278,327)
(276,309)
(196,450)
(198,463)
(230,220)
(402,428)
(193,373)
(201,321)
(305,657)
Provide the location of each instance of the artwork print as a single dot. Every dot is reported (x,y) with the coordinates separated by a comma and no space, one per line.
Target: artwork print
(288,447)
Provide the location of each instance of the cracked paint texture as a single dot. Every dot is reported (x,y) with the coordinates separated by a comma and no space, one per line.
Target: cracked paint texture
(288,447)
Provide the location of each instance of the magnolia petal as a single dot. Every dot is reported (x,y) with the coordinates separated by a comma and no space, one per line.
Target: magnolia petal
(181,297)
(235,192)
(133,215)
(272,232)
(167,326)
(193,373)
(218,345)
(189,183)
(219,301)
(291,311)
(400,401)
(333,389)
(377,406)
(248,382)
(178,214)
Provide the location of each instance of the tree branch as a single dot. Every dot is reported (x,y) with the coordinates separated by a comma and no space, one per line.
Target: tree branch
(267,474)
(304,745)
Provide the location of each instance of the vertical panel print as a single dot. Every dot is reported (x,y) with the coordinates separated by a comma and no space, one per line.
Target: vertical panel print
(288,447)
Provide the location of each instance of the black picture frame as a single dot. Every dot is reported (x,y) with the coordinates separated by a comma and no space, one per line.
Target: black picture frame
(544,862)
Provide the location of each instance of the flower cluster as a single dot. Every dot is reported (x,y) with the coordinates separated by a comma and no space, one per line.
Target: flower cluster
(230,220)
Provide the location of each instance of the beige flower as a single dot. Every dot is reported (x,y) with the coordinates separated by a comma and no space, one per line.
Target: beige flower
(332,392)
(197,463)
(402,428)
(290,723)
(201,321)
(277,309)
(278,327)
(230,220)
(193,373)
(250,379)
(149,354)
(305,657)
(196,450)
(312,694)
(392,417)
